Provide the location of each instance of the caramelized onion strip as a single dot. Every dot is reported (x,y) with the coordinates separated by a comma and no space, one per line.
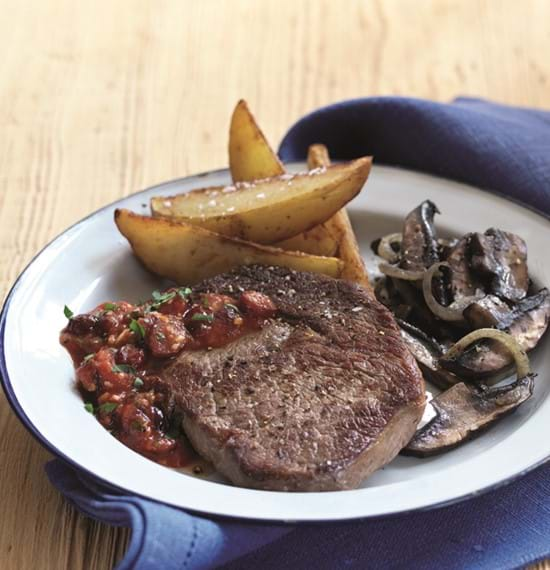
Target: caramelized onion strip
(399,273)
(385,249)
(454,311)
(520,356)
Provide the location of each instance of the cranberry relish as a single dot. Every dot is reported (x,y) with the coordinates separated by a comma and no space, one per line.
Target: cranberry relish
(117,347)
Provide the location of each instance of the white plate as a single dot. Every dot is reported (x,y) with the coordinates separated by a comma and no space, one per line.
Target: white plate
(91,262)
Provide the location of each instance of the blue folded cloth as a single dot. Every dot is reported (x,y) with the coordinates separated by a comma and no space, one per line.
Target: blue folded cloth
(497,147)
(504,149)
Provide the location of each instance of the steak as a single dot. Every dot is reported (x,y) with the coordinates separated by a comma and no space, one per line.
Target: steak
(319,398)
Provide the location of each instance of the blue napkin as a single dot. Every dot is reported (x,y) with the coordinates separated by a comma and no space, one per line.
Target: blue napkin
(497,147)
(504,149)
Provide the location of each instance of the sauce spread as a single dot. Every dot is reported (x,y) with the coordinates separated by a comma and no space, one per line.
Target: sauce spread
(119,348)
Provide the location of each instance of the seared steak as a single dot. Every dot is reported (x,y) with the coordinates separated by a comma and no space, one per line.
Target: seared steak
(322,396)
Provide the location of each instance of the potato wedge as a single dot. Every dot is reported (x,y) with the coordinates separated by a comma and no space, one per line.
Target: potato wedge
(269,210)
(250,156)
(187,254)
(339,226)
(348,251)
(317,156)
(317,241)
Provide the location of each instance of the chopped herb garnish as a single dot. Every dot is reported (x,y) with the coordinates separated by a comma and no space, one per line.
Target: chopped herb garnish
(137,327)
(109,306)
(123,369)
(89,407)
(137,426)
(67,312)
(161,298)
(138,383)
(108,407)
(184,292)
(202,317)
(88,357)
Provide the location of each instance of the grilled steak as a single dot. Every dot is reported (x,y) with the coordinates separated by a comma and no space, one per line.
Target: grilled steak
(318,399)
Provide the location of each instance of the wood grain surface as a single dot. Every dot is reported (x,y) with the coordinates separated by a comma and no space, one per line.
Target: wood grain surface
(99,99)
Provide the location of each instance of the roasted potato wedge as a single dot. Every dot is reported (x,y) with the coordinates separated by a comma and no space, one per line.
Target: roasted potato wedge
(317,241)
(348,251)
(269,210)
(187,254)
(317,156)
(250,156)
(339,227)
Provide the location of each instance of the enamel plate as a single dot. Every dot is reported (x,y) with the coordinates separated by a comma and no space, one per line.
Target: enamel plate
(91,262)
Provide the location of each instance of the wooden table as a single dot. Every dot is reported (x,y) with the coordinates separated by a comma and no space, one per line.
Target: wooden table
(99,99)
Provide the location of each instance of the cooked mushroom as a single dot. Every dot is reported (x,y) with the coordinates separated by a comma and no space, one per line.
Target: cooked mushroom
(500,258)
(529,320)
(427,352)
(446,245)
(487,312)
(453,312)
(463,412)
(526,323)
(419,314)
(419,248)
(464,282)
(448,287)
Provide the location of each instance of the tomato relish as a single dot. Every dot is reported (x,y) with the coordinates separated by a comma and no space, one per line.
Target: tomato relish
(119,349)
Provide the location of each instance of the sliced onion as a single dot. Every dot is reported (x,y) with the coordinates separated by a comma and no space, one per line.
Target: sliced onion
(399,273)
(520,356)
(454,311)
(385,249)
(443,242)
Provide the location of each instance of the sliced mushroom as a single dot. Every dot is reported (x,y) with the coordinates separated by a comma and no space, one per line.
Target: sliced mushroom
(463,412)
(500,258)
(419,248)
(487,312)
(526,323)
(419,314)
(464,282)
(446,245)
(529,320)
(427,352)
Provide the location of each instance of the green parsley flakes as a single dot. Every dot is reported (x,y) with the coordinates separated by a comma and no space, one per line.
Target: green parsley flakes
(161,298)
(89,407)
(184,292)
(137,328)
(67,312)
(123,369)
(108,407)
(202,317)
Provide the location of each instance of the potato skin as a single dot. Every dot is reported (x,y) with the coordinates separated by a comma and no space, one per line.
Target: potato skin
(187,254)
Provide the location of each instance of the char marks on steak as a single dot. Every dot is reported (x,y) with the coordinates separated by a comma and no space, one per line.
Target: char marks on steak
(318,399)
